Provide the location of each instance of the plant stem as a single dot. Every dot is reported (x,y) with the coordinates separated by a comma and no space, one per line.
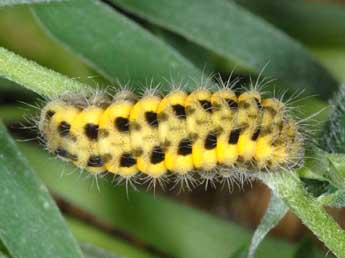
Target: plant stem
(289,188)
(37,78)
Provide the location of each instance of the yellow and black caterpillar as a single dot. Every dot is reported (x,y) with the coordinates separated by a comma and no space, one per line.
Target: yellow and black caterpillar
(181,132)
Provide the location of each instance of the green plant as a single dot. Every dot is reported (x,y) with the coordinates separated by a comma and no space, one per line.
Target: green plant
(179,38)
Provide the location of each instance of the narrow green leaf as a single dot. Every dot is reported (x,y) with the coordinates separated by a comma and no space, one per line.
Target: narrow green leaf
(2,255)
(335,200)
(37,78)
(307,249)
(339,199)
(196,54)
(113,44)
(30,41)
(3,251)
(315,23)
(324,166)
(91,251)
(15,113)
(333,137)
(337,161)
(289,188)
(317,188)
(18,2)
(30,223)
(241,253)
(90,235)
(244,39)
(275,212)
(166,225)
(11,88)
(332,58)
(328,170)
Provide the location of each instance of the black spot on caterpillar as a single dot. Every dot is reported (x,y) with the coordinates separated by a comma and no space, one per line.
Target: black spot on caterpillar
(206,105)
(64,154)
(151,118)
(122,124)
(211,141)
(157,155)
(127,160)
(49,114)
(231,103)
(91,131)
(256,134)
(234,135)
(180,111)
(64,128)
(95,161)
(184,147)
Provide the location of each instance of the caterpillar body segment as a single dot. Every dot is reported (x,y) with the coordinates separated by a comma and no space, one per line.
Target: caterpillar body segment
(201,130)
(225,107)
(145,137)
(181,132)
(114,139)
(178,149)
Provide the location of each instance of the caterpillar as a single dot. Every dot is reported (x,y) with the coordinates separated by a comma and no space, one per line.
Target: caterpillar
(210,133)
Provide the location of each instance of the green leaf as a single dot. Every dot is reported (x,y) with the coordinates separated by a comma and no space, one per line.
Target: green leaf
(11,88)
(15,113)
(337,161)
(338,200)
(332,58)
(91,251)
(314,23)
(90,235)
(308,248)
(289,188)
(18,2)
(333,136)
(317,187)
(164,224)
(275,212)
(37,78)
(239,36)
(31,42)
(3,251)
(325,178)
(196,54)
(335,200)
(2,255)
(324,166)
(115,46)
(241,253)
(30,223)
